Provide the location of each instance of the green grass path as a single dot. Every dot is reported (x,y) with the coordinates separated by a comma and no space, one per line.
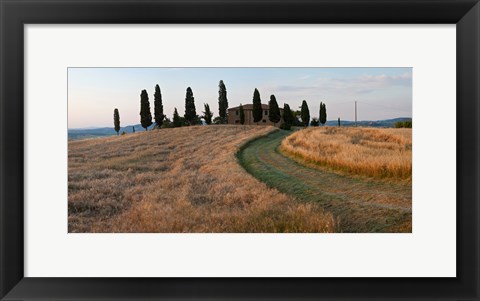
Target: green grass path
(359,205)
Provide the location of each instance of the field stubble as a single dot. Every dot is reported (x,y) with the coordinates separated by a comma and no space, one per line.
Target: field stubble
(179,180)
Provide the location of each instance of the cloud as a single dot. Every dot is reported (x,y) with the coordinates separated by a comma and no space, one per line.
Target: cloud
(291,88)
(365,91)
(304,77)
(386,80)
(349,87)
(365,84)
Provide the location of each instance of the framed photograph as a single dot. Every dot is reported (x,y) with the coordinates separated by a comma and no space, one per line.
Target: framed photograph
(249,150)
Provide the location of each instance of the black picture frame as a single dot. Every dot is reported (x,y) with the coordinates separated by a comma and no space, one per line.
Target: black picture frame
(15,13)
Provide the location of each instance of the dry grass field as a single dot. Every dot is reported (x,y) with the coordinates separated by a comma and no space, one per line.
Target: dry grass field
(378,153)
(178,180)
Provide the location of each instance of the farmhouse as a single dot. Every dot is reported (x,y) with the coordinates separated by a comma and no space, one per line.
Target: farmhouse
(234,115)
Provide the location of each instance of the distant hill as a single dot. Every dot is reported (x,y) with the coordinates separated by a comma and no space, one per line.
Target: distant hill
(85,133)
(387,123)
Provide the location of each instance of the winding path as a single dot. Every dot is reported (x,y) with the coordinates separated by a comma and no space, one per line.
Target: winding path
(359,205)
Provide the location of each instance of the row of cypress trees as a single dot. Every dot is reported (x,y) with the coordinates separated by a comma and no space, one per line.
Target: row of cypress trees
(257,111)
(191,118)
(305,115)
(289,116)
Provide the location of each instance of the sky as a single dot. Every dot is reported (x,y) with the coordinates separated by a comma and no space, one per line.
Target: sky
(381,93)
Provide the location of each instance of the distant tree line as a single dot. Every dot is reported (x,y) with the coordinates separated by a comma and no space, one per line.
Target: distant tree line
(403,124)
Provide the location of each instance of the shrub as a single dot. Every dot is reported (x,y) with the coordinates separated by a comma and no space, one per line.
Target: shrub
(403,124)
(167,123)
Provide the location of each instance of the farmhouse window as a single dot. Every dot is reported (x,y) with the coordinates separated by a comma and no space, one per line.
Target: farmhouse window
(236,112)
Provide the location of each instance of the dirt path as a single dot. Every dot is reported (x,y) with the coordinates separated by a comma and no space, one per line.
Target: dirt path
(359,205)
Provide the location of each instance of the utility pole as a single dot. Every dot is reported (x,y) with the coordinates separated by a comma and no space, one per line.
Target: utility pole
(355,113)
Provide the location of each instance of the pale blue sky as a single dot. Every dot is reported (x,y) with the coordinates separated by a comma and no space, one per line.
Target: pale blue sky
(93,93)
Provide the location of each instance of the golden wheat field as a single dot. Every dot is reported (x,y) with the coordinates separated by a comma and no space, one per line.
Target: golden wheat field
(178,180)
(378,153)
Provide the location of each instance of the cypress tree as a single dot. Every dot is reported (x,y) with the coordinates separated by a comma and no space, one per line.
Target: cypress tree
(207,115)
(176,119)
(145,114)
(323,113)
(287,114)
(222,102)
(190,111)
(257,107)
(305,113)
(242,114)
(338,121)
(158,106)
(273,111)
(116,120)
